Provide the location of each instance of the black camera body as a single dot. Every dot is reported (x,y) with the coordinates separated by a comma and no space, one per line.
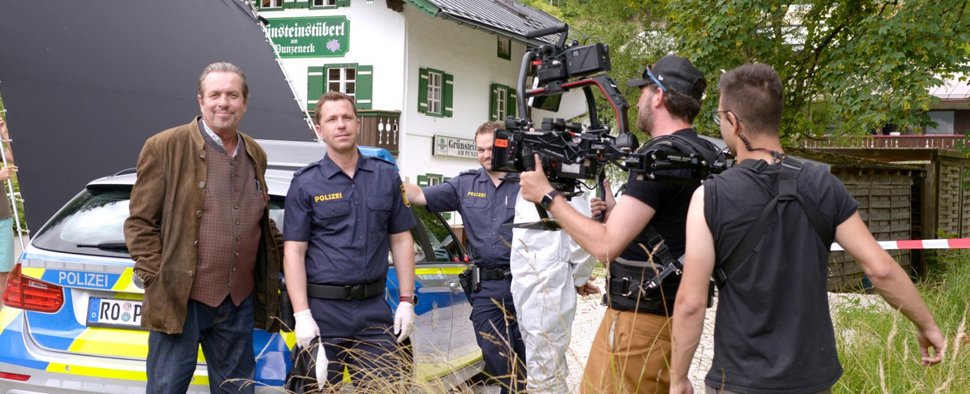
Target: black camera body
(569,152)
(561,63)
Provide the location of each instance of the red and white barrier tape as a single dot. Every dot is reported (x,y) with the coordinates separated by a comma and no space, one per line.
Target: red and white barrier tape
(950,243)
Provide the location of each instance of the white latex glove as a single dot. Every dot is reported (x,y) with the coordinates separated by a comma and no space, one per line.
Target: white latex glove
(404,320)
(321,365)
(306,328)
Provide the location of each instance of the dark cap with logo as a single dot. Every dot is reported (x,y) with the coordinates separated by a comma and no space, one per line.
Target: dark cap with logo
(673,72)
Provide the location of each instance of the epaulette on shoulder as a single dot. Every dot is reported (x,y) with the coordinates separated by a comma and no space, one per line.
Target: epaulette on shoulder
(468,172)
(378,158)
(307,167)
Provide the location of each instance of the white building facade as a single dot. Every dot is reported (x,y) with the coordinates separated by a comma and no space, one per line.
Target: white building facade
(424,73)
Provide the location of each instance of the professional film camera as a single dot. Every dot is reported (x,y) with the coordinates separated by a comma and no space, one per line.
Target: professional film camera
(569,152)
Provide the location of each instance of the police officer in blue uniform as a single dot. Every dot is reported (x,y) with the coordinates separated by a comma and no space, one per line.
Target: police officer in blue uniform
(487,207)
(342,216)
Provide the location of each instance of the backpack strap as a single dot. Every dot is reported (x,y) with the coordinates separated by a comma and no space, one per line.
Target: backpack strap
(787,191)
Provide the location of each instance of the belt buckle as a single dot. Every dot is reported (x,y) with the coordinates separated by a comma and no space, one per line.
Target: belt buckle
(626,283)
(355,292)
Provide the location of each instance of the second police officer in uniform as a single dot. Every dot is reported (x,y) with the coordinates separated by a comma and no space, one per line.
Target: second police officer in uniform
(487,207)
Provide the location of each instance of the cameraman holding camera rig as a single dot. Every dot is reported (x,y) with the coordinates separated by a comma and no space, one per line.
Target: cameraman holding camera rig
(644,232)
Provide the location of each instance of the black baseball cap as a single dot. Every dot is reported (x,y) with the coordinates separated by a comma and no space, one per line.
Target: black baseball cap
(673,72)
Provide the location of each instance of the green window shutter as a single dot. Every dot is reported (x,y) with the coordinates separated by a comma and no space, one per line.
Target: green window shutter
(492,100)
(422,180)
(315,79)
(343,3)
(423,90)
(447,93)
(365,87)
(297,4)
(510,103)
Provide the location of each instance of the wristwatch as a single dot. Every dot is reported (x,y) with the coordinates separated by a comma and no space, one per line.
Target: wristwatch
(548,199)
(412,299)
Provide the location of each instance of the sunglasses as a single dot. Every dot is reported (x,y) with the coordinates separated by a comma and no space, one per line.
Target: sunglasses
(649,74)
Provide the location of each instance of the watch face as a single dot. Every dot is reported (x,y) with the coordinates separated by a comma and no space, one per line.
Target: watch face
(547,200)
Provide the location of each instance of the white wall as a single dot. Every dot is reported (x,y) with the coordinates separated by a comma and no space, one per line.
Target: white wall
(470,55)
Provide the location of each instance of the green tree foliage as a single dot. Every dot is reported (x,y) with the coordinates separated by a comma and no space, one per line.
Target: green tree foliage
(848,67)
(618,25)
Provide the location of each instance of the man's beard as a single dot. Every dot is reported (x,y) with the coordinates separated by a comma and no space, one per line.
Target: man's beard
(645,121)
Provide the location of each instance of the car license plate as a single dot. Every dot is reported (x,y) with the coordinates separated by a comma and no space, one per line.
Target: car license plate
(114,313)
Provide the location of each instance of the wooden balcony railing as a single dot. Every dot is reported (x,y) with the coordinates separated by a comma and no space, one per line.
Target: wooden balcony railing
(929,142)
(381,129)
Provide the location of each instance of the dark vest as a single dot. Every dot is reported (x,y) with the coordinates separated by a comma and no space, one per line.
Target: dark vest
(229,232)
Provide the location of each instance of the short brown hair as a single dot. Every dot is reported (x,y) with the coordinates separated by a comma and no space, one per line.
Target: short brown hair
(225,67)
(680,105)
(754,93)
(332,96)
(489,127)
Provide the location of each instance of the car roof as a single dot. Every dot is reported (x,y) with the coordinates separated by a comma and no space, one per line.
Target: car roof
(283,158)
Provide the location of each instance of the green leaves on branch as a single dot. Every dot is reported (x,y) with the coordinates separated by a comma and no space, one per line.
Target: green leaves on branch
(847,67)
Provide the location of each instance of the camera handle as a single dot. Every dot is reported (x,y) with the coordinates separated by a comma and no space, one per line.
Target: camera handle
(601,193)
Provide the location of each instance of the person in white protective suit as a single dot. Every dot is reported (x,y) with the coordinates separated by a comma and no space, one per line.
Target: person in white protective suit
(548,270)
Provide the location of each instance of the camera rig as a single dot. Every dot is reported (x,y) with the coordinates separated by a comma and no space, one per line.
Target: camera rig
(571,153)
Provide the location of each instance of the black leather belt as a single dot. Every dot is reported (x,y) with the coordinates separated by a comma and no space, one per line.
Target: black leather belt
(498,273)
(352,292)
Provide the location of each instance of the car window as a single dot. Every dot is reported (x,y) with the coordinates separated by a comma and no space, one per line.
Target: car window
(440,237)
(92,223)
(276,212)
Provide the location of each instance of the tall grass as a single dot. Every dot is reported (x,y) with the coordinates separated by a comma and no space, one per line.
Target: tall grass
(878,346)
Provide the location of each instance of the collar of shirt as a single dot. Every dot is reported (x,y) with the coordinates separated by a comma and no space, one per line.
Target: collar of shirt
(218,140)
(328,168)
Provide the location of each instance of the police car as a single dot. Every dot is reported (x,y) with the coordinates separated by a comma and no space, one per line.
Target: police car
(72,311)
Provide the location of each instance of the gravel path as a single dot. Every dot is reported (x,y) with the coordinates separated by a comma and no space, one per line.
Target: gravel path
(589,313)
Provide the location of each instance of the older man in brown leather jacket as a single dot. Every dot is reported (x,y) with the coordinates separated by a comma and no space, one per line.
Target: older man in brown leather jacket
(203,246)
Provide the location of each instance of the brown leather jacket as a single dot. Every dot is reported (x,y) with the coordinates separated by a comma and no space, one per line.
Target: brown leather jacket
(163,228)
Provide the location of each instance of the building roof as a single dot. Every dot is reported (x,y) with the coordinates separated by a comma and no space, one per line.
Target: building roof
(505,17)
(954,88)
(954,93)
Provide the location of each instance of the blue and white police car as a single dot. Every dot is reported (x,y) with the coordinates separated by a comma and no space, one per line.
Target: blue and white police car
(70,322)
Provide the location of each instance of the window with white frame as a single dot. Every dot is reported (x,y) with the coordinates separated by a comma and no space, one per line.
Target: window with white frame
(342,79)
(435,92)
(324,3)
(271,4)
(355,80)
(501,102)
(501,98)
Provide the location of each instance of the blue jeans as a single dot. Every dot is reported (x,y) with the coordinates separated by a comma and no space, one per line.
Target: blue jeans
(226,335)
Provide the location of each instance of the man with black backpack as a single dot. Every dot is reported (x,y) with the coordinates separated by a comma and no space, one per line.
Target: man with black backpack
(764,230)
(643,234)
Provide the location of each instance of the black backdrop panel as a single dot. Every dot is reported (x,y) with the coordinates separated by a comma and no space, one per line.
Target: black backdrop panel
(85,83)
